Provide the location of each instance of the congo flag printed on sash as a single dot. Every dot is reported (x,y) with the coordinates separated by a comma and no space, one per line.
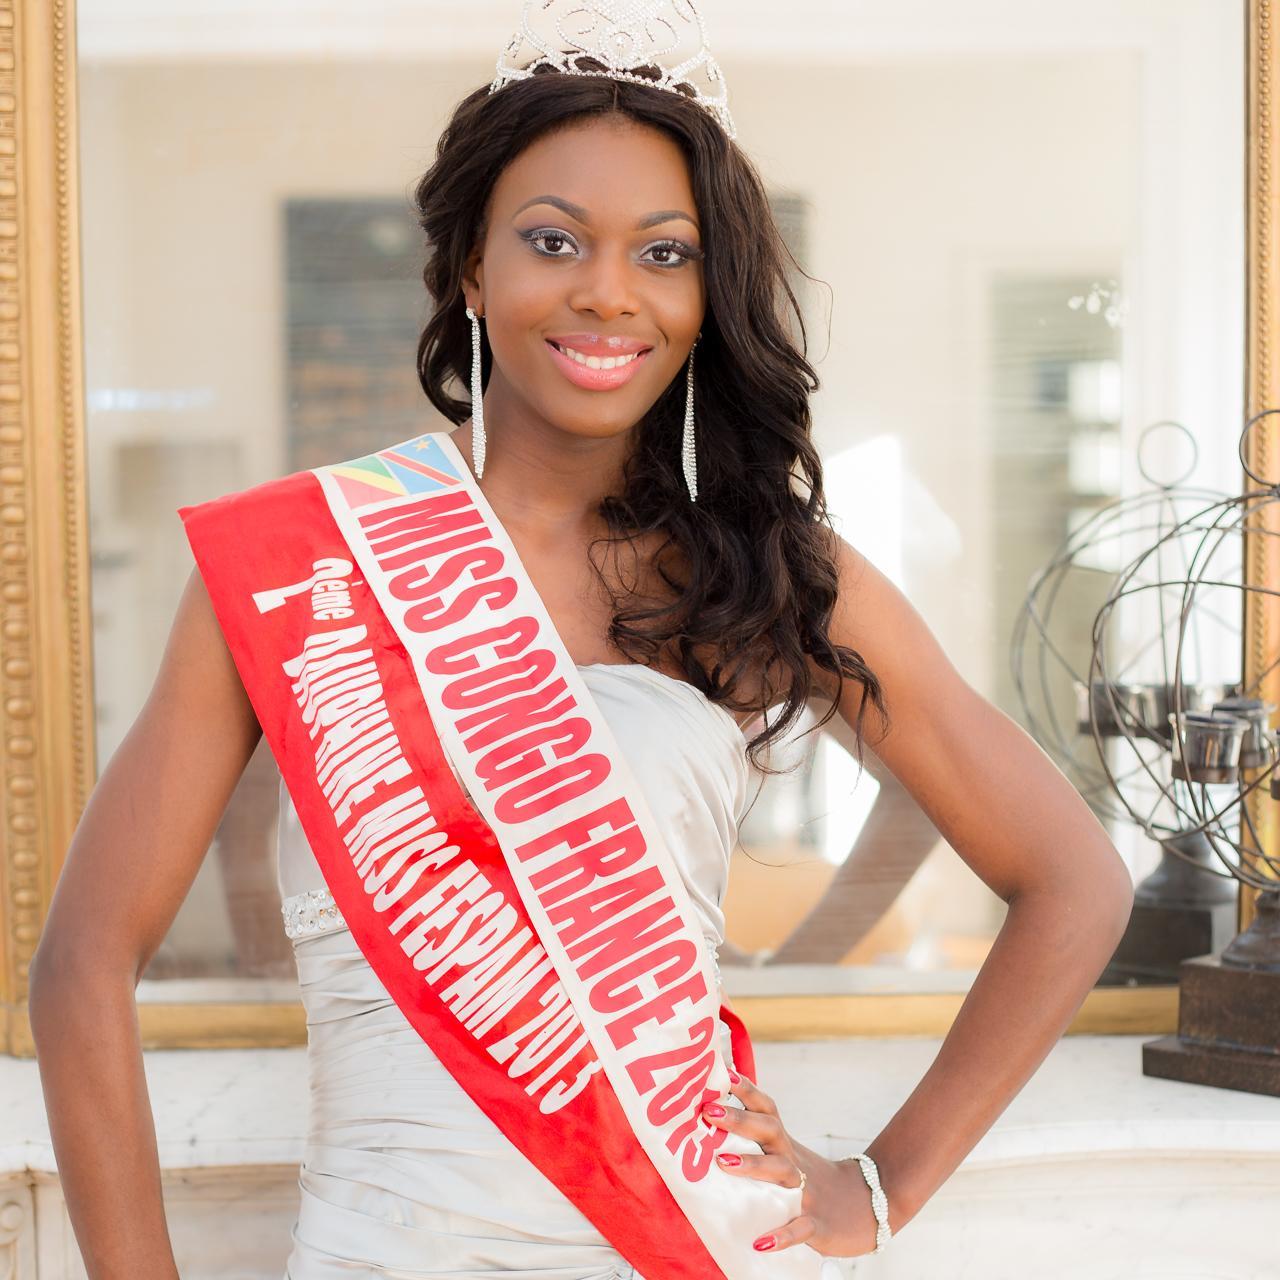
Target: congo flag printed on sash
(537,935)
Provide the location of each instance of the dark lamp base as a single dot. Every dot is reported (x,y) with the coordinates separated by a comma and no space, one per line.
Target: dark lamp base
(1228,1014)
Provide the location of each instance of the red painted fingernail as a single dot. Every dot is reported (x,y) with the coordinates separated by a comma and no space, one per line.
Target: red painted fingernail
(713,1109)
(734,1076)
(764,1243)
(730,1160)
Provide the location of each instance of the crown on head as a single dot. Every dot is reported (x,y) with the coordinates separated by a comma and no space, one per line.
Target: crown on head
(629,39)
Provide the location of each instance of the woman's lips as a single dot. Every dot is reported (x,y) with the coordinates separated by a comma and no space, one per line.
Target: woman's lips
(585,376)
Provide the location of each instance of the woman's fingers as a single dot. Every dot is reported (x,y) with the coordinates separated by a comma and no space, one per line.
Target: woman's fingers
(797,1231)
(751,1096)
(761,1128)
(768,1168)
(759,1121)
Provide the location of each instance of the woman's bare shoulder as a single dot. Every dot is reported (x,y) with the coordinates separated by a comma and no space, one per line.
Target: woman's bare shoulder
(197,662)
(873,617)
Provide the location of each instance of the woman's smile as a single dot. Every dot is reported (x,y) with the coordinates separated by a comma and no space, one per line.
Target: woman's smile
(597,363)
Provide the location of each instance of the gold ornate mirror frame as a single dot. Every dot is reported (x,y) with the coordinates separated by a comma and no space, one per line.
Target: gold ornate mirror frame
(46,669)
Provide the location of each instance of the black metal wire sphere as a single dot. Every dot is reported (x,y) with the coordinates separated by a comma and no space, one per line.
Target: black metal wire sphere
(1045,661)
(1154,724)
(1039,657)
(1222,742)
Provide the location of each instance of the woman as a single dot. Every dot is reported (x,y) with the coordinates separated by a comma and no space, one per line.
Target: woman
(590,233)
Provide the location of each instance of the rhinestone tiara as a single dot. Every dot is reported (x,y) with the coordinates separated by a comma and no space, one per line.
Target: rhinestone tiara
(623,36)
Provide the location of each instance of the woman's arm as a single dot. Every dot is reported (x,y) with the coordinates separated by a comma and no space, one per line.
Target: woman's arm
(1006,809)
(135,852)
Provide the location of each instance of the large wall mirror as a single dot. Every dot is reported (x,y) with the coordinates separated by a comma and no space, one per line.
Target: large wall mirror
(1028,236)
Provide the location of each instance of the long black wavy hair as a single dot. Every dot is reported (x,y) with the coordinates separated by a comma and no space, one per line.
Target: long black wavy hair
(758,583)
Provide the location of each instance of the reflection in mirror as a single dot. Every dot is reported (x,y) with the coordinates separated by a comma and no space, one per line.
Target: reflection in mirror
(1017,294)
(1025,229)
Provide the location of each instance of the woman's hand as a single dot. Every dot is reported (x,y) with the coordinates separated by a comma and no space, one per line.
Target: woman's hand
(836,1218)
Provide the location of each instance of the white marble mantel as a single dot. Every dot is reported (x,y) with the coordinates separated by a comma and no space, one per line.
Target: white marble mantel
(1094,1170)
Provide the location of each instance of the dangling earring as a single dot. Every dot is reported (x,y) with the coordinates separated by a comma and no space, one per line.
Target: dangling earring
(478,441)
(689,453)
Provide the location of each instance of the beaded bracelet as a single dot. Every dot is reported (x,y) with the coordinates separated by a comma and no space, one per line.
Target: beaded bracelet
(879,1201)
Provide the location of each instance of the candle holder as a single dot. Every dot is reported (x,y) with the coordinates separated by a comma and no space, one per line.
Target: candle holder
(1194,697)
(1255,748)
(1205,746)
(1115,710)
(1121,710)
(1156,737)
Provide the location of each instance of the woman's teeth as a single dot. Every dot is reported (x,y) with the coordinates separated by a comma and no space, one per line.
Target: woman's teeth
(598,362)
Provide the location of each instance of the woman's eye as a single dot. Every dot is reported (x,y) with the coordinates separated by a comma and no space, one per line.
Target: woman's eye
(548,242)
(553,240)
(672,253)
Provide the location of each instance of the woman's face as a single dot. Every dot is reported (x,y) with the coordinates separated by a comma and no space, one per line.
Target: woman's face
(591,258)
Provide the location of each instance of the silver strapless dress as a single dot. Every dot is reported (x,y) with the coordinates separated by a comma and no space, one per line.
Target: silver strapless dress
(403,1175)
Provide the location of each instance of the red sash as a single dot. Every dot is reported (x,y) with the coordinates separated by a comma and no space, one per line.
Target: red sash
(537,936)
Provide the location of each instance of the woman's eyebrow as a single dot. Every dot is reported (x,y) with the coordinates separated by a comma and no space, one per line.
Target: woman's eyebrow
(578,212)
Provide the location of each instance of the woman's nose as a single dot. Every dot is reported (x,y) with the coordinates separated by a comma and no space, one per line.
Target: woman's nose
(606,286)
